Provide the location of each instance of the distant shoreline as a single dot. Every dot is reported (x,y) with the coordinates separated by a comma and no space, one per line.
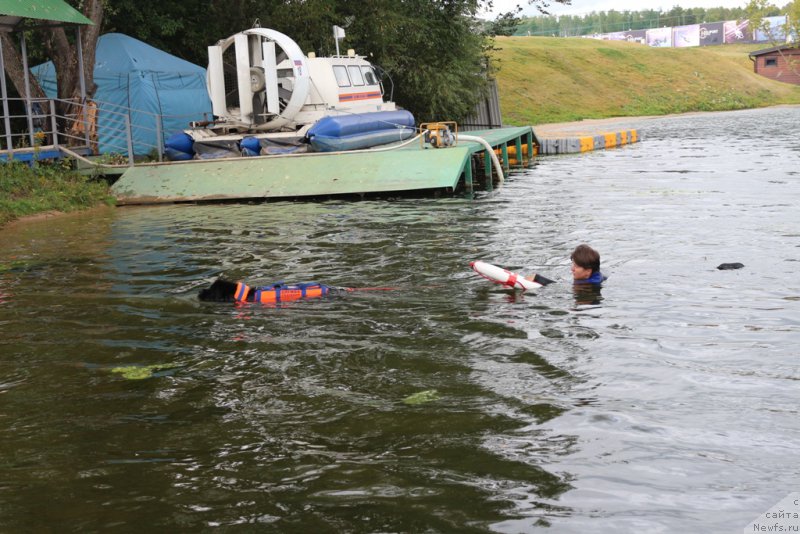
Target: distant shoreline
(635,121)
(544,80)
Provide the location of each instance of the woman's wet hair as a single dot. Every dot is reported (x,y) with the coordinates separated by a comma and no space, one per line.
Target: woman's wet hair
(586,257)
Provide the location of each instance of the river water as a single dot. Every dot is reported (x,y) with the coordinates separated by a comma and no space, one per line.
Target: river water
(666,402)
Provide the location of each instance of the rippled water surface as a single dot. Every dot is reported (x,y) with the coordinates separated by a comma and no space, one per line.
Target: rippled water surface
(667,403)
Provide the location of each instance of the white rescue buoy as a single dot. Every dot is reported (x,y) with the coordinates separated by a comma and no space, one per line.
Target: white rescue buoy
(502,276)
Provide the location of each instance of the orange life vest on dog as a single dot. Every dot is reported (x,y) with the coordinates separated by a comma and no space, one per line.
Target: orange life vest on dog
(280,293)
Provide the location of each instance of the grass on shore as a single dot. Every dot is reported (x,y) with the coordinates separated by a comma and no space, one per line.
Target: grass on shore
(47,187)
(545,80)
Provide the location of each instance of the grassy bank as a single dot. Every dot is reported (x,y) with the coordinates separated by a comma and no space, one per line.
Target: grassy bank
(25,191)
(545,80)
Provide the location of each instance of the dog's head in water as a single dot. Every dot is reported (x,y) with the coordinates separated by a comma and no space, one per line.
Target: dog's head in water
(220,291)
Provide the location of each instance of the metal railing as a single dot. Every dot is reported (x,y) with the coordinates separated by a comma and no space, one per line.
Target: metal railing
(93,127)
(56,123)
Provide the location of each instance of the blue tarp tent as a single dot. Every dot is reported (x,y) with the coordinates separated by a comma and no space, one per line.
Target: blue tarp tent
(144,83)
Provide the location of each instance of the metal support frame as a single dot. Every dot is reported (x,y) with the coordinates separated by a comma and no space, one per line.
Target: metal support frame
(159,137)
(27,96)
(4,95)
(53,123)
(28,110)
(84,110)
(468,175)
(487,168)
(129,133)
(529,140)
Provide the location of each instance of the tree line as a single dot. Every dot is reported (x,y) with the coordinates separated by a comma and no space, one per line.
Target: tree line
(613,21)
(435,51)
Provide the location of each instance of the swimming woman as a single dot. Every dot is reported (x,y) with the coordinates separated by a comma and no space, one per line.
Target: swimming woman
(585,267)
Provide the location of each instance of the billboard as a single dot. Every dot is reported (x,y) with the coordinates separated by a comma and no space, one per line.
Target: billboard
(659,37)
(636,36)
(614,36)
(737,32)
(711,33)
(775,32)
(686,35)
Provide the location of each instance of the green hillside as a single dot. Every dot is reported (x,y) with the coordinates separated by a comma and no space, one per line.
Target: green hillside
(543,80)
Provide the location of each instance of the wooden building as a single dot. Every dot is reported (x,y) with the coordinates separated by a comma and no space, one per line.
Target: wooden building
(780,63)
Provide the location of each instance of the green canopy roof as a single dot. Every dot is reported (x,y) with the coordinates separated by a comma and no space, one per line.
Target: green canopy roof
(13,11)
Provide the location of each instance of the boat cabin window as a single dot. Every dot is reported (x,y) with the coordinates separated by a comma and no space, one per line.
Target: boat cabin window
(369,76)
(355,75)
(341,75)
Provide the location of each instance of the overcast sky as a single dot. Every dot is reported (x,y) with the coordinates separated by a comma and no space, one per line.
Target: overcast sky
(580,7)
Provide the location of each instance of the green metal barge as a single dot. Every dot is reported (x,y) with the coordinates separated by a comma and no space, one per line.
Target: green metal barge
(414,167)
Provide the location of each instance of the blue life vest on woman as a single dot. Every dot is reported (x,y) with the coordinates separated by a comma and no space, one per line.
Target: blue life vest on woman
(596,278)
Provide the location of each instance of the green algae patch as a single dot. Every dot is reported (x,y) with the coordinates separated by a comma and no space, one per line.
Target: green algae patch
(421,397)
(14,265)
(140,372)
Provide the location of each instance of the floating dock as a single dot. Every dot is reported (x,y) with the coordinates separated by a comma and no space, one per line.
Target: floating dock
(586,143)
(585,136)
(414,167)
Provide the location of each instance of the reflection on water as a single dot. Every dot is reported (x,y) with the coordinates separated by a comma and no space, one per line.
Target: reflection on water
(587,294)
(666,403)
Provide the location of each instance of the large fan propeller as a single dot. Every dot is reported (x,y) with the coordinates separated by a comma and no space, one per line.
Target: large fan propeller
(267,79)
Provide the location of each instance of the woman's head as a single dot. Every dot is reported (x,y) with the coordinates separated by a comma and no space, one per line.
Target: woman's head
(585,262)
